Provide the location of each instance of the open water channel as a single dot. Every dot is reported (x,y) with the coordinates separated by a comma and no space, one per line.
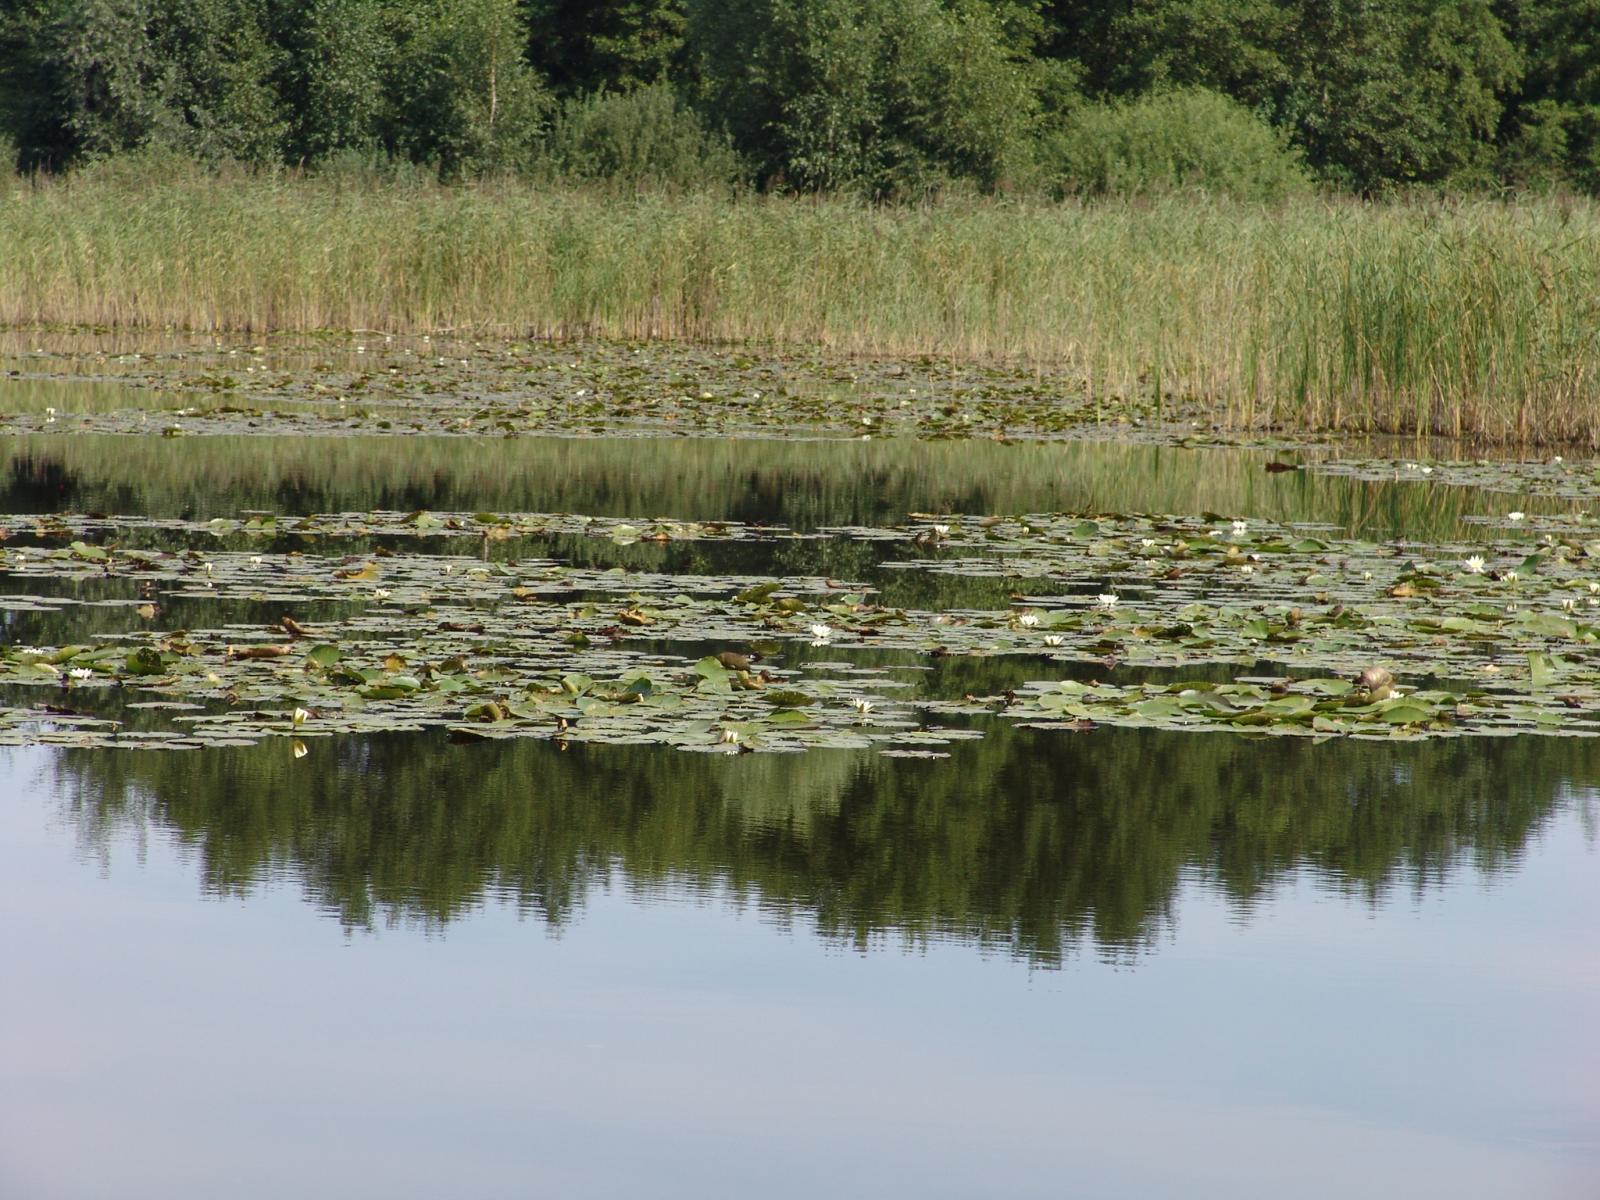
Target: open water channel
(1098,959)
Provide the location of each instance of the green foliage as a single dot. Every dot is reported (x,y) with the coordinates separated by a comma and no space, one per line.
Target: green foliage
(86,78)
(872,97)
(583,47)
(461,94)
(1554,130)
(1374,91)
(1190,139)
(642,138)
(336,53)
(880,97)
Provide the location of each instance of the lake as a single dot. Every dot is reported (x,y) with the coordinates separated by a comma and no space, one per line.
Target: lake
(936,950)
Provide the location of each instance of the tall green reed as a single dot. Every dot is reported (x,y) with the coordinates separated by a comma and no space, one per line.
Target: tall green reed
(1469,318)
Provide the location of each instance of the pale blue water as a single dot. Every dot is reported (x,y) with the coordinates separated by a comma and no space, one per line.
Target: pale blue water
(158,1041)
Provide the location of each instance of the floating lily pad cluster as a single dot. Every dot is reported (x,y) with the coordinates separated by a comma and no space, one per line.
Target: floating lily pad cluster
(381,386)
(341,622)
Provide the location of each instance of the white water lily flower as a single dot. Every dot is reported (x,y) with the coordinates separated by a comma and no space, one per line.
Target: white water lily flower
(730,737)
(255,560)
(1593,587)
(1247,569)
(299,716)
(1366,574)
(1107,600)
(1147,543)
(1475,565)
(81,673)
(1240,528)
(208,567)
(821,632)
(1427,470)
(1028,620)
(1053,639)
(1569,604)
(942,530)
(1509,577)
(380,593)
(863,706)
(1515,516)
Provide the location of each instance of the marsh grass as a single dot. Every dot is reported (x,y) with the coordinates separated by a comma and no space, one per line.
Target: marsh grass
(1473,318)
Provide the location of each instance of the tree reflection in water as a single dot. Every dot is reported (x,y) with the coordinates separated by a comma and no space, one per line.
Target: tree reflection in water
(1043,844)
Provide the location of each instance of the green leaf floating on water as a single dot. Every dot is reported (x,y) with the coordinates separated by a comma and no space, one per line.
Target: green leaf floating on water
(1541,669)
(324,655)
(787,698)
(145,661)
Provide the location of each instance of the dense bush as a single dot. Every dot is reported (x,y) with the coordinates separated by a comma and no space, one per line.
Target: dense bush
(646,137)
(1183,140)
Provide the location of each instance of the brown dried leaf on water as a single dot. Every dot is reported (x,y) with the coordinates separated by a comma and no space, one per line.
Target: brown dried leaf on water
(275,650)
(1377,682)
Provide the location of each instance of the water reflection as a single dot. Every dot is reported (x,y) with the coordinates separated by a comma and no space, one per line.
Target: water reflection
(801,484)
(1045,845)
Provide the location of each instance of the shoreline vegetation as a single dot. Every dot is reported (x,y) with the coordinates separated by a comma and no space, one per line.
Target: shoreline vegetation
(1467,318)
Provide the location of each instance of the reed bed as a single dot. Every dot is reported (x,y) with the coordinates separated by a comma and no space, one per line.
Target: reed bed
(1475,318)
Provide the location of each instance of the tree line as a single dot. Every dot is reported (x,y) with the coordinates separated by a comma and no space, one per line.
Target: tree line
(877,97)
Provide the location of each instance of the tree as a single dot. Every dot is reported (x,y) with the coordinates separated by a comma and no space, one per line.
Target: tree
(336,56)
(1373,91)
(617,44)
(1554,128)
(876,96)
(461,95)
(87,78)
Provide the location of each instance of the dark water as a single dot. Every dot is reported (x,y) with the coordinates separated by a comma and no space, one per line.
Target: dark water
(1111,964)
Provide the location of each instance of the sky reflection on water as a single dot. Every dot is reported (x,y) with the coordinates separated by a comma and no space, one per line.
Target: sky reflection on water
(1439,1042)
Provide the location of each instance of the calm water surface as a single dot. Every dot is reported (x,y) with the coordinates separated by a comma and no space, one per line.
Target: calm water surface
(1104,965)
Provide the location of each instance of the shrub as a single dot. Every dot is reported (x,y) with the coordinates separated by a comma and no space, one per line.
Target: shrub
(643,138)
(1186,140)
